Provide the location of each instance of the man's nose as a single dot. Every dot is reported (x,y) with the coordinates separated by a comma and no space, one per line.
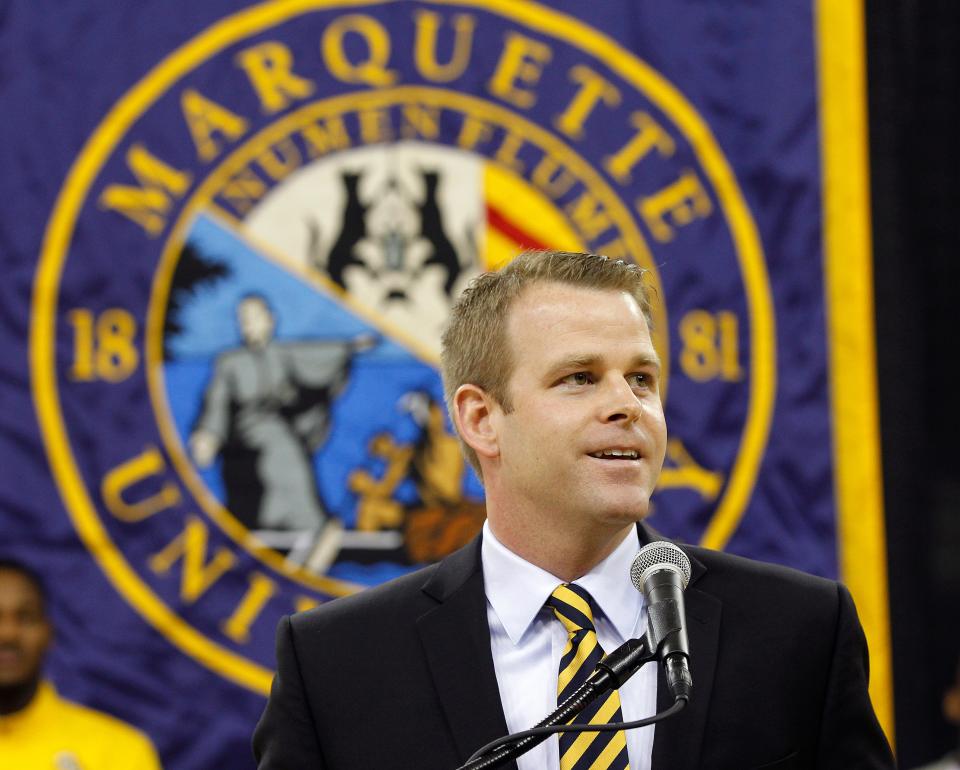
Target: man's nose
(620,402)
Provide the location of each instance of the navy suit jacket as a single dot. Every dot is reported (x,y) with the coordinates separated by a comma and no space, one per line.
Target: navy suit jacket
(401,676)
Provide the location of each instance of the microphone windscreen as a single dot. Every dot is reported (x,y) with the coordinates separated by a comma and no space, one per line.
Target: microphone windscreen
(657,556)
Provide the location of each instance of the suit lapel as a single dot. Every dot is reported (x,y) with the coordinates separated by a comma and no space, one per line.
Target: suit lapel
(456,642)
(677,741)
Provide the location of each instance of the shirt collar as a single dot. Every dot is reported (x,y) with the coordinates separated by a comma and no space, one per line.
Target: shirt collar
(517,589)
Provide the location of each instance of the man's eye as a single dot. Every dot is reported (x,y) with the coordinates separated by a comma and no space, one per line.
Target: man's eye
(641,380)
(578,378)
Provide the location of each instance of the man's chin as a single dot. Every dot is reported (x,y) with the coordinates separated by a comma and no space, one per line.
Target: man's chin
(12,682)
(627,513)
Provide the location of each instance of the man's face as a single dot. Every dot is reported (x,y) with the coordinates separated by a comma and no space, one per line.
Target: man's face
(585,387)
(256,322)
(24,630)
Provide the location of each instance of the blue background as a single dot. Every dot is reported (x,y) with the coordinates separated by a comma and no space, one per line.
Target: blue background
(748,69)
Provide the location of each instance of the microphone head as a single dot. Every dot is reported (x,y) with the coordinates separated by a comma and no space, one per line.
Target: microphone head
(657,556)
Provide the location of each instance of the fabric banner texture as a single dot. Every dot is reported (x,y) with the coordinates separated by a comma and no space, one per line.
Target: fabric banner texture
(231,235)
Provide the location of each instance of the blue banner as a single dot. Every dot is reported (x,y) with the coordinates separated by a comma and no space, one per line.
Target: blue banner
(232,235)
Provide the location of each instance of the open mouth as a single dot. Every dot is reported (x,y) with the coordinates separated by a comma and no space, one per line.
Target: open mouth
(616,454)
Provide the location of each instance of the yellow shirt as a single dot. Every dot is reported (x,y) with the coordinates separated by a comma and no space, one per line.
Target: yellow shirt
(54,734)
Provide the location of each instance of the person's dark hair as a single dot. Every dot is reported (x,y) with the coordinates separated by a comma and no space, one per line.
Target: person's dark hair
(8,564)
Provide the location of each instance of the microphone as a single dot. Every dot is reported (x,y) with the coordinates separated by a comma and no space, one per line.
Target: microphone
(661,571)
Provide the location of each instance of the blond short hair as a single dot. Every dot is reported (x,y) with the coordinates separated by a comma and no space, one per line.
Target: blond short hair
(474,347)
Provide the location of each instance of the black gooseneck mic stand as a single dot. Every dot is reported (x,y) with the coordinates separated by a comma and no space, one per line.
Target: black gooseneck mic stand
(615,669)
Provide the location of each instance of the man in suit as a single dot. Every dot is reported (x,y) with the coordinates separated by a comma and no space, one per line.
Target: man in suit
(553,384)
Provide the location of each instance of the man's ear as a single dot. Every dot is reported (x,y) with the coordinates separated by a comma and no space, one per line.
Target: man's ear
(472,410)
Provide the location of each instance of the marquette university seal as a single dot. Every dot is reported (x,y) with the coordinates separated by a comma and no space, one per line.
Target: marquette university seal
(244,414)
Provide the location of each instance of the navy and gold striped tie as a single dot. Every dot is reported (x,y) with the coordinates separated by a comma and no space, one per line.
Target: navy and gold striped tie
(585,751)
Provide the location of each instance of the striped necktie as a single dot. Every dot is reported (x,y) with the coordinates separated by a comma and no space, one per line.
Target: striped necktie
(585,751)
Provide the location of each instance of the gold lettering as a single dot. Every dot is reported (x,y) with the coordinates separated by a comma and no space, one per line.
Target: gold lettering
(373,70)
(268,67)
(106,351)
(472,132)
(84,345)
(521,64)
(650,135)
(507,154)
(683,201)
(243,190)
(198,574)
(711,346)
(280,160)
(589,216)
(425,46)
(237,626)
(553,179)
(117,481)
(375,126)
(684,472)
(729,334)
(205,118)
(593,90)
(148,204)
(420,121)
(321,139)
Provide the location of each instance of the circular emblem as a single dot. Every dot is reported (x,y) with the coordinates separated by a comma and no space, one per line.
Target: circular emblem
(239,301)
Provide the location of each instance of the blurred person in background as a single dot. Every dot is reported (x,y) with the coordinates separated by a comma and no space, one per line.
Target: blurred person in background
(951,712)
(38,728)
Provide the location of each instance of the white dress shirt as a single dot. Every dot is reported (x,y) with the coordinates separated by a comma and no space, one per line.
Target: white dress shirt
(527,642)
